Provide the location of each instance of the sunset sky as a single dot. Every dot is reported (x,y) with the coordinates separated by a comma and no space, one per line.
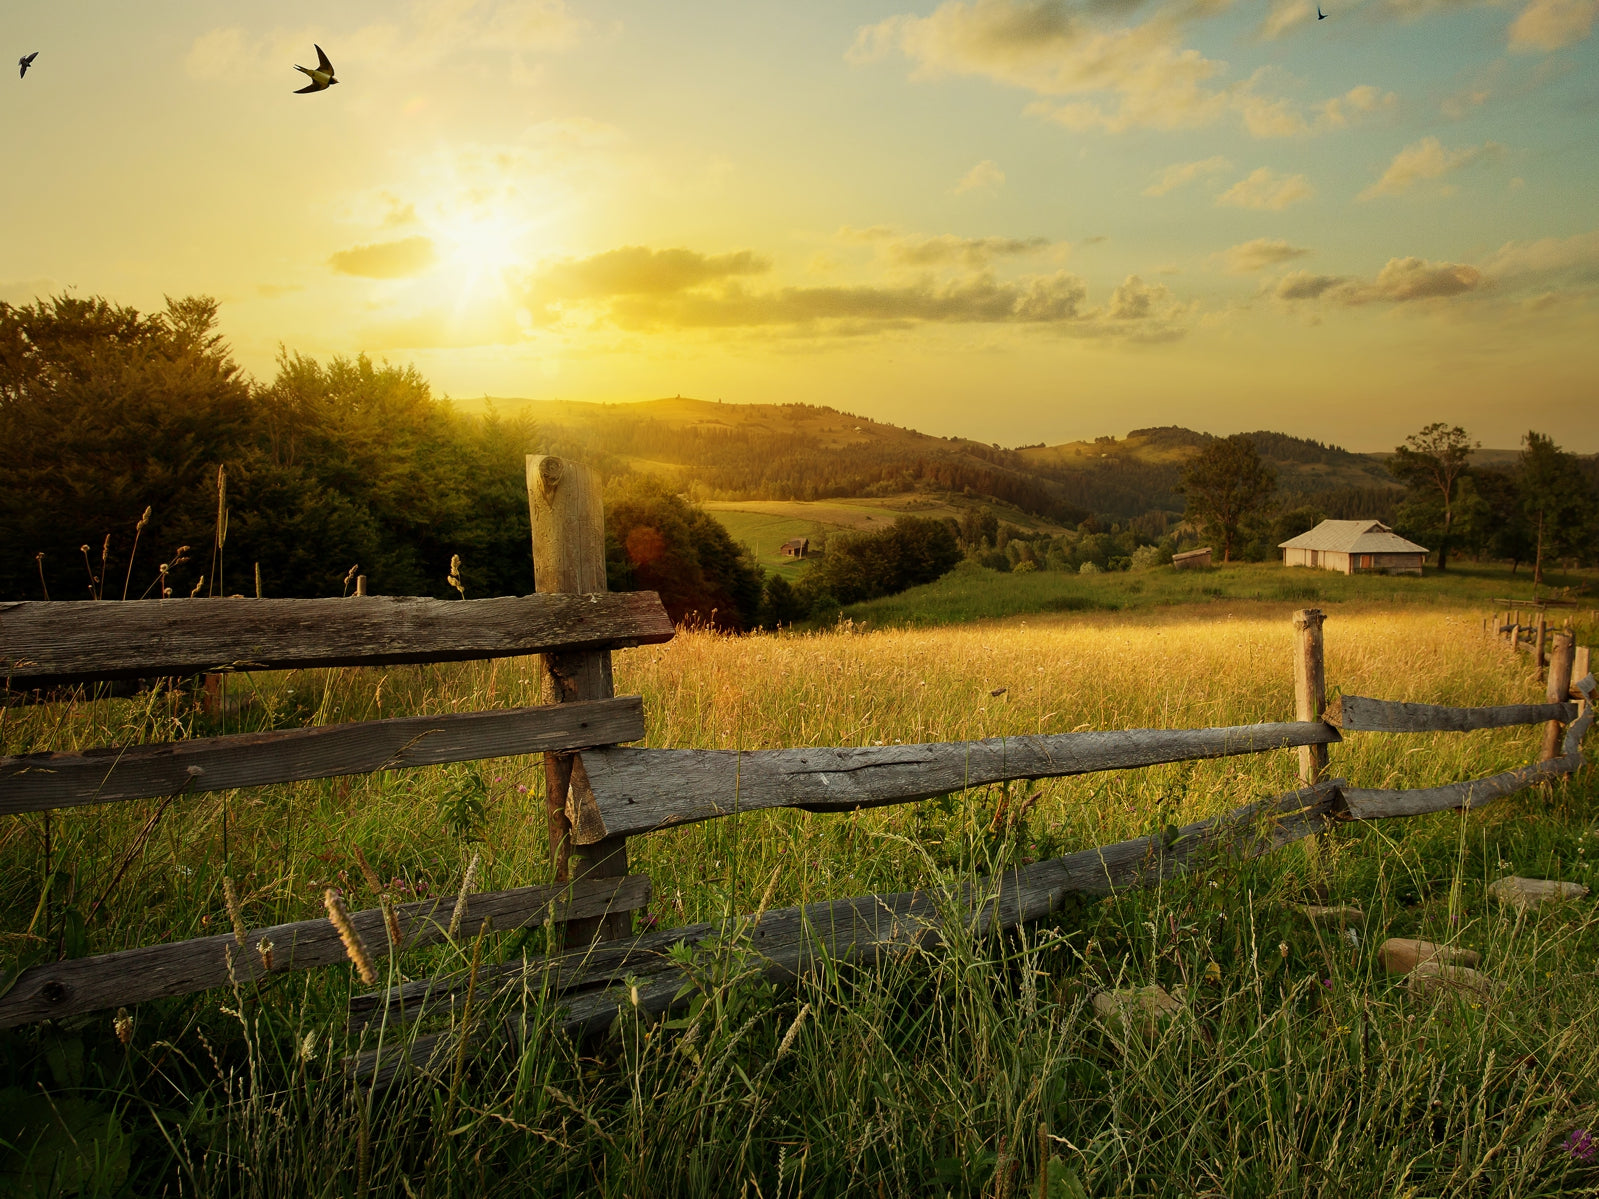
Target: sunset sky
(1014,221)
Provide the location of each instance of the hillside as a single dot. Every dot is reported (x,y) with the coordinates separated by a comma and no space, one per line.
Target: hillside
(807,453)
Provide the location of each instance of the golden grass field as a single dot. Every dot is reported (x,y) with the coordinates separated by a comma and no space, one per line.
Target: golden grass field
(973,1069)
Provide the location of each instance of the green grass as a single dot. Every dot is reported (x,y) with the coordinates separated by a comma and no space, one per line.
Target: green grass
(1296,1066)
(972,593)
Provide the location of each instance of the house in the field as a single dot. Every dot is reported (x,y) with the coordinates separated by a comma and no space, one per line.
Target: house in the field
(1192,559)
(1355,547)
(796,547)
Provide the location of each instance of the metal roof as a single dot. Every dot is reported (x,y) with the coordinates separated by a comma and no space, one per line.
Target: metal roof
(1353,537)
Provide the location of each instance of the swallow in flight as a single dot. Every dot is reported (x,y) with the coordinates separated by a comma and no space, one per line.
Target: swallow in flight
(1320,16)
(321,75)
(25,62)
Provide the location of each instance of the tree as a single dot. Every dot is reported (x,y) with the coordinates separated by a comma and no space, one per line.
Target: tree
(863,566)
(1553,497)
(1432,463)
(1225,484)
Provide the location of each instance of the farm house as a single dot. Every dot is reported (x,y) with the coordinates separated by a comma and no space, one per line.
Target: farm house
(1354,547)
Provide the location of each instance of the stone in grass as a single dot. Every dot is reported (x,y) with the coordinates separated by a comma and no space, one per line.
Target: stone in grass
(1524,893)
(1401,955)
(1342,914)
(1143,1008)
(1435,978)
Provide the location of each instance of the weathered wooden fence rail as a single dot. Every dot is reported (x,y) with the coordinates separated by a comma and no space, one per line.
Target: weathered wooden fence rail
(599,794)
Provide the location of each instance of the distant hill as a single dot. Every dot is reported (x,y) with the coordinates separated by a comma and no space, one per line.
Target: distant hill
(808,452)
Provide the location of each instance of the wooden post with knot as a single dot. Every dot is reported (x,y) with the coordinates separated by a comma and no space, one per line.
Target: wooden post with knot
(569,556)
(1560,664)
(1310,689)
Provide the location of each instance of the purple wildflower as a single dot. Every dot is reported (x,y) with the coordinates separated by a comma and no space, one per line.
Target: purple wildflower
(1580,1144)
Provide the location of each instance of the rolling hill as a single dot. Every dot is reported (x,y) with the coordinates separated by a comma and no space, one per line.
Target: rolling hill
(801,454)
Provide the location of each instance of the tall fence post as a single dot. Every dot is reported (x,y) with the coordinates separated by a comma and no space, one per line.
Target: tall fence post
(1310,689)
(569,556)
(1543,632)
(1560,664)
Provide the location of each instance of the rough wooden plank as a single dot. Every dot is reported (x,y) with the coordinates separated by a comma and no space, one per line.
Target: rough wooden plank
(1354,713)
(33,782)
(636,790)
(46,644)
(794,939)
(1374,804)
(179,968)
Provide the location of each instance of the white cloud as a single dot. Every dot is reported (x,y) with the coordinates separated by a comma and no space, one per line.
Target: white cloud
(1257,255)
(1426,159)
(985,177)
(1094,72)
(1263,190)
(1180,173)
(1550,24)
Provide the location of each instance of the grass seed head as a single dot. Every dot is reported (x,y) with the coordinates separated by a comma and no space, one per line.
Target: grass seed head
(354,947)
(235,912)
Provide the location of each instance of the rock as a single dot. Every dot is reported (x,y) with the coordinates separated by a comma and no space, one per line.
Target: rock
(1524,893)
(1340,914)
(1401,956)
(1143,1008)
(1432,978)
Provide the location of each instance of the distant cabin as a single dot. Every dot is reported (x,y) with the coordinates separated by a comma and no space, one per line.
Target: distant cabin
(1191,559)
(796,547)
(1355,547)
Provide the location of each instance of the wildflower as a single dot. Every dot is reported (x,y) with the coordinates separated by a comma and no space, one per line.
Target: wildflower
(264,947)
(1580,1144)
(1282,948)
(123,1024)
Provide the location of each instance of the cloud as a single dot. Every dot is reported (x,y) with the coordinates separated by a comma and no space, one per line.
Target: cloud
(944,249)
(1115,77)
(1401,281)
(635,271)
(387,259)
(1302,285)
(1284,16)
(1426,159)
(1572,260)
(273,291)
(985,176)
(1550,24)
(644,290)
(1354,106)
(1179,173)
(1263,190)
(1257,255)
(1135,300)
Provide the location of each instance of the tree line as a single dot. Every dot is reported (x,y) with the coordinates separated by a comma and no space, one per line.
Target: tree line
(142,462)
(1536,510)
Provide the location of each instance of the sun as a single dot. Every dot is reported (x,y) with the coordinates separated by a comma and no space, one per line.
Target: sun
(478,246)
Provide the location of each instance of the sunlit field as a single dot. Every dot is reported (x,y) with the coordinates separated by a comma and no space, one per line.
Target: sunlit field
(1295,1067)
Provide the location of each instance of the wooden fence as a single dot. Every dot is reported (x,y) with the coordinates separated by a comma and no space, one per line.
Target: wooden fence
(600,793)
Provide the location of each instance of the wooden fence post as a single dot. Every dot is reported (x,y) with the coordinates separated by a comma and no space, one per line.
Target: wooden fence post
(1559,687)
(1310,689)
(1580,664)
(1543,631)
(569,556)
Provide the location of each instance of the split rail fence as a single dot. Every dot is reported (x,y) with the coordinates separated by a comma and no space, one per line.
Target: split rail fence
(600,793)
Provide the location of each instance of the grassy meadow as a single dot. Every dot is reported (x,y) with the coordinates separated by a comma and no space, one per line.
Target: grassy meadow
(1295,1066)
(970,592)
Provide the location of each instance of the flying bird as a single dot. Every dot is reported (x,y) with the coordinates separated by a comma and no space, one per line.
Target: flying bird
(321,75)
(1320,16)
(25,62)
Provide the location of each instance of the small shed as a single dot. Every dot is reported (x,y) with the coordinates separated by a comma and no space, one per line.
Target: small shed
(1191,559)
(1354,547)
(795,547)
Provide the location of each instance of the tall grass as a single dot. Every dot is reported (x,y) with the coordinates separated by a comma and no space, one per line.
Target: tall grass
(972,1068)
